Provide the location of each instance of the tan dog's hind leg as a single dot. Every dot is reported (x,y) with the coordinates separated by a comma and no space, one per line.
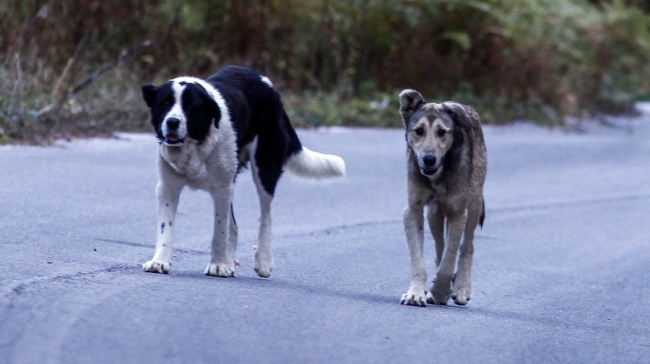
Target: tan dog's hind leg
(441,289)
(461,291)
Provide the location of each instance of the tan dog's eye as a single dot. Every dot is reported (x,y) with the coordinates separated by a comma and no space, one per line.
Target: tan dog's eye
(419,131)
(442,132)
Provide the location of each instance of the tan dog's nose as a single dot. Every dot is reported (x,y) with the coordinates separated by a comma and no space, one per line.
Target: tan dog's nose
(429,160)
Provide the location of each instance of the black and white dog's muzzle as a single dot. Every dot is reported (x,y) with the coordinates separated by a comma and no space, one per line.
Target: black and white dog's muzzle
(171,132)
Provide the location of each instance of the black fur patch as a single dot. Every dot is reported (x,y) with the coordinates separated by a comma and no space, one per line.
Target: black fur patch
(200,110)
(256,110)
(159,100)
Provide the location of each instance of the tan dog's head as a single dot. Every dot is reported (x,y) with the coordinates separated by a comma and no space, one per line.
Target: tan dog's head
(432,130)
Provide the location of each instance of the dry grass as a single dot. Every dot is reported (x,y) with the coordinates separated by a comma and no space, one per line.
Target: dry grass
(74,68)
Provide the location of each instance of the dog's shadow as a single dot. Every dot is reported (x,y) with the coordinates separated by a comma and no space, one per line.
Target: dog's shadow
(304,289)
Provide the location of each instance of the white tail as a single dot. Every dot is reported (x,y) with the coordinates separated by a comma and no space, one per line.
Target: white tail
(310,164)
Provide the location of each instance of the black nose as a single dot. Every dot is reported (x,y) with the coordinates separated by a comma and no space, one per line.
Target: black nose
(429,160)
(173,123)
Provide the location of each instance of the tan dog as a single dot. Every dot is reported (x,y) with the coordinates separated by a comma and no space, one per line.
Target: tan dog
(447,164)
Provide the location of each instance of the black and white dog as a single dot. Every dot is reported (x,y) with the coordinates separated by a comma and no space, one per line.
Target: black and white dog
(209,130)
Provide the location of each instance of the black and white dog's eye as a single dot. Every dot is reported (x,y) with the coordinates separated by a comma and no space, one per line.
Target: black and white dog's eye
(442,132)
(419,131)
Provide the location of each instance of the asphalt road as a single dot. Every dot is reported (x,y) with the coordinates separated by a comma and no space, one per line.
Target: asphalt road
(561,269)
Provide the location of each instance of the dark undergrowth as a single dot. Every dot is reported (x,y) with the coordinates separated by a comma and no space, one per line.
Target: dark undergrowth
(73,68)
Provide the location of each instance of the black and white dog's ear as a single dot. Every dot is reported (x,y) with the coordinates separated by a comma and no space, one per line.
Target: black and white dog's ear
(212,107)
(149,95)
(216,112)
(458,114)
(409,102)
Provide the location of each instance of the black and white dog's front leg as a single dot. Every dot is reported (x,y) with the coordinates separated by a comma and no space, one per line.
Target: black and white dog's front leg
(222,261)
(167,195)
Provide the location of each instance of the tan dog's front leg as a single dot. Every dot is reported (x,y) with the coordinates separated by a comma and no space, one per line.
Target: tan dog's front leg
(441,289)
(413,226)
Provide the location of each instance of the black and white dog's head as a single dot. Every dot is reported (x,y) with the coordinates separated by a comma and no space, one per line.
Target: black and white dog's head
(434,132)
(181,109)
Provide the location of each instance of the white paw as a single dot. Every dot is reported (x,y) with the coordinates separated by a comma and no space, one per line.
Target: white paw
(440,291)
(263,265)
(413,299)
(220,270)
(154,266)
(461,293)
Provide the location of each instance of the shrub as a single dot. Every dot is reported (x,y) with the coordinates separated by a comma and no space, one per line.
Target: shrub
(70,67)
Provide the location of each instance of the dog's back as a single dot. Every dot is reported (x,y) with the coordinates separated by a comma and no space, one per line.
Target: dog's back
(255,107)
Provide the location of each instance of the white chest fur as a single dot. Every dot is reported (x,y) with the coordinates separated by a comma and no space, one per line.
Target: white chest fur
(205,165)
(190,159)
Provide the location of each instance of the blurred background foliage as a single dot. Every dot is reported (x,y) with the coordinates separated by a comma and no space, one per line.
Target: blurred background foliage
(75,67)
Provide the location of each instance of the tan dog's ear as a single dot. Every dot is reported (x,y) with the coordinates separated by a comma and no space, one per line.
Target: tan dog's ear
(458,114)
(409,102)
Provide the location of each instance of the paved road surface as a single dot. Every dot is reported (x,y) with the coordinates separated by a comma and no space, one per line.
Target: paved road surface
(562,266)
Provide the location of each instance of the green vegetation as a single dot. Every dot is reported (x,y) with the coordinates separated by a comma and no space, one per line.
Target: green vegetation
(74,67)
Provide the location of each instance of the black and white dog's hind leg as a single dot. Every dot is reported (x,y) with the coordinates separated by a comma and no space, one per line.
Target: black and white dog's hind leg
(267,168)
(304,163)
(263,257)
(266,160)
